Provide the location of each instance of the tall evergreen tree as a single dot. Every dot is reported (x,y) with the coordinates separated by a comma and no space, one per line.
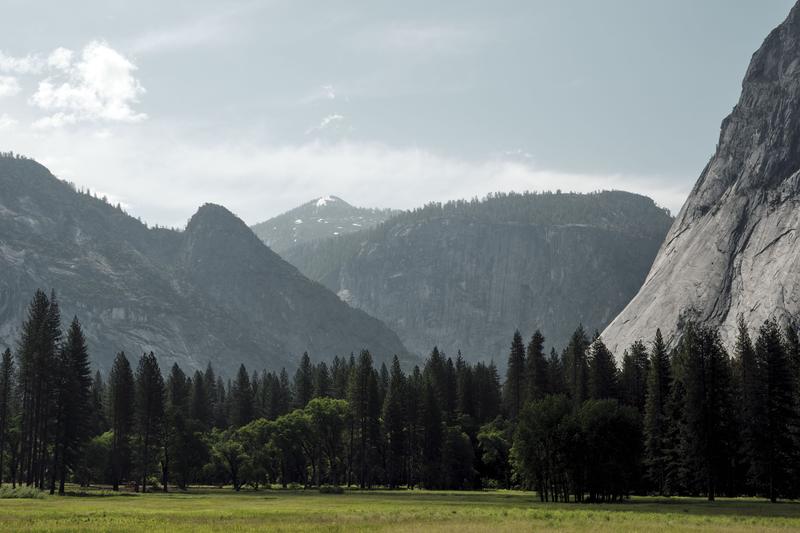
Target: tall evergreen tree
(363,397)
(537,372)
(432,434)
(704,429)
(303,382)
(633,378)
(394,425)
(322,381)
(201,408)
(38,349)
(149,414)
(515,387)
(6,390)
(656,417)
(603,380)
(121,395)
(74,405)
(777,438)
(242,401)
(576,369)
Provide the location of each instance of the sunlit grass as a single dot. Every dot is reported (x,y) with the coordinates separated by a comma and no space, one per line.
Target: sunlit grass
(276,510)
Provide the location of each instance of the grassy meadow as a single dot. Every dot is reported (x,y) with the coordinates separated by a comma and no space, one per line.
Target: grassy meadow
(282,510)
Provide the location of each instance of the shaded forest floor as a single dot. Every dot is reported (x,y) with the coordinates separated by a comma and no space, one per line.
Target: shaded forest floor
(285,510)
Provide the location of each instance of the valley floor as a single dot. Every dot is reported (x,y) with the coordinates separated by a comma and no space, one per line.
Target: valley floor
(282,510)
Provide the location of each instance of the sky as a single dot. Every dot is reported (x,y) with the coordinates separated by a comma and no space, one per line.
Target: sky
(263,105)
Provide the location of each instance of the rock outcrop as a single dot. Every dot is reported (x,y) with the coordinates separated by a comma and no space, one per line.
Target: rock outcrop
(467,274)
(213,292)
(733,249)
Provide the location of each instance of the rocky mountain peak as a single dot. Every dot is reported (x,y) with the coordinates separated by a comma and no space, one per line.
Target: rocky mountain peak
(731,250)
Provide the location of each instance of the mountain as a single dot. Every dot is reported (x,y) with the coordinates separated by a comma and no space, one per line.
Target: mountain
(328,216)
(465,274)
(213,292)
(733,248)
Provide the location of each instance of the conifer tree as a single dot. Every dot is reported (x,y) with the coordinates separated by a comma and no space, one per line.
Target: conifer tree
(432,438)
(201,409)
(6,391)
(363,398)
(121,394)
(394,425)
(303,382)
(576,369)
(149,414)
(74,395)
(777,439)
(242,402)
(656,419)
(633,378)
(603,380)
(322,381)
(537,372)
(515,387)
(704,431)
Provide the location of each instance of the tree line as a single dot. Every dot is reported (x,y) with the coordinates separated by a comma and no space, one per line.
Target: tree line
(571,425)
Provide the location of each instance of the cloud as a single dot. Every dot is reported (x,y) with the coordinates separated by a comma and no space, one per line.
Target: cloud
(327,121)
(164,176)
(9,86)
(99,87)
(60,58)
(6,121)
(30,64)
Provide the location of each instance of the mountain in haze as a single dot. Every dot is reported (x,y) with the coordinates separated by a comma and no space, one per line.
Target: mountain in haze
(328,216)
(213,292)
(466,274)
(733,249)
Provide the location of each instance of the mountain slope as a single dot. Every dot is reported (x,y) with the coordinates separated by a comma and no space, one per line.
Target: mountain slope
(328,216)
(464,275)
(213,292)
(733,247)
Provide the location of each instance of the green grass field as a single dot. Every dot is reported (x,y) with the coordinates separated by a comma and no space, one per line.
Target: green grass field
(278,510)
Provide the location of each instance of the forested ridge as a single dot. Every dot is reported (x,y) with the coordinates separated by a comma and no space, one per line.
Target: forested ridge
(571,425)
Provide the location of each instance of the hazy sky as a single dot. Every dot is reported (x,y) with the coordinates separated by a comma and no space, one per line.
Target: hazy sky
(263,105)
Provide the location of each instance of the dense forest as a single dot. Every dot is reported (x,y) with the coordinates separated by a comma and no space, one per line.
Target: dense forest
(571,425)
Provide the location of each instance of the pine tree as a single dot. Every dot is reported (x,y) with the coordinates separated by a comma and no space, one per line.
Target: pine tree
(242,401)
(633,379)
(121,394)
(99,423)
(465,387)
(537,372)
(38,351)
(432,438)
(576,368)
(322,381)
(363,398)
(303,382)
(6,413)
(74,405)
(777,440)
(394,425)
(201,408)
(515,386)
(656,419)
(704,432)
(149,413)
(603,380)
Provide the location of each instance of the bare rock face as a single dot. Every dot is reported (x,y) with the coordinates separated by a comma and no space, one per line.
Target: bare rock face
(465,275)
(212,293)
(733,248)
